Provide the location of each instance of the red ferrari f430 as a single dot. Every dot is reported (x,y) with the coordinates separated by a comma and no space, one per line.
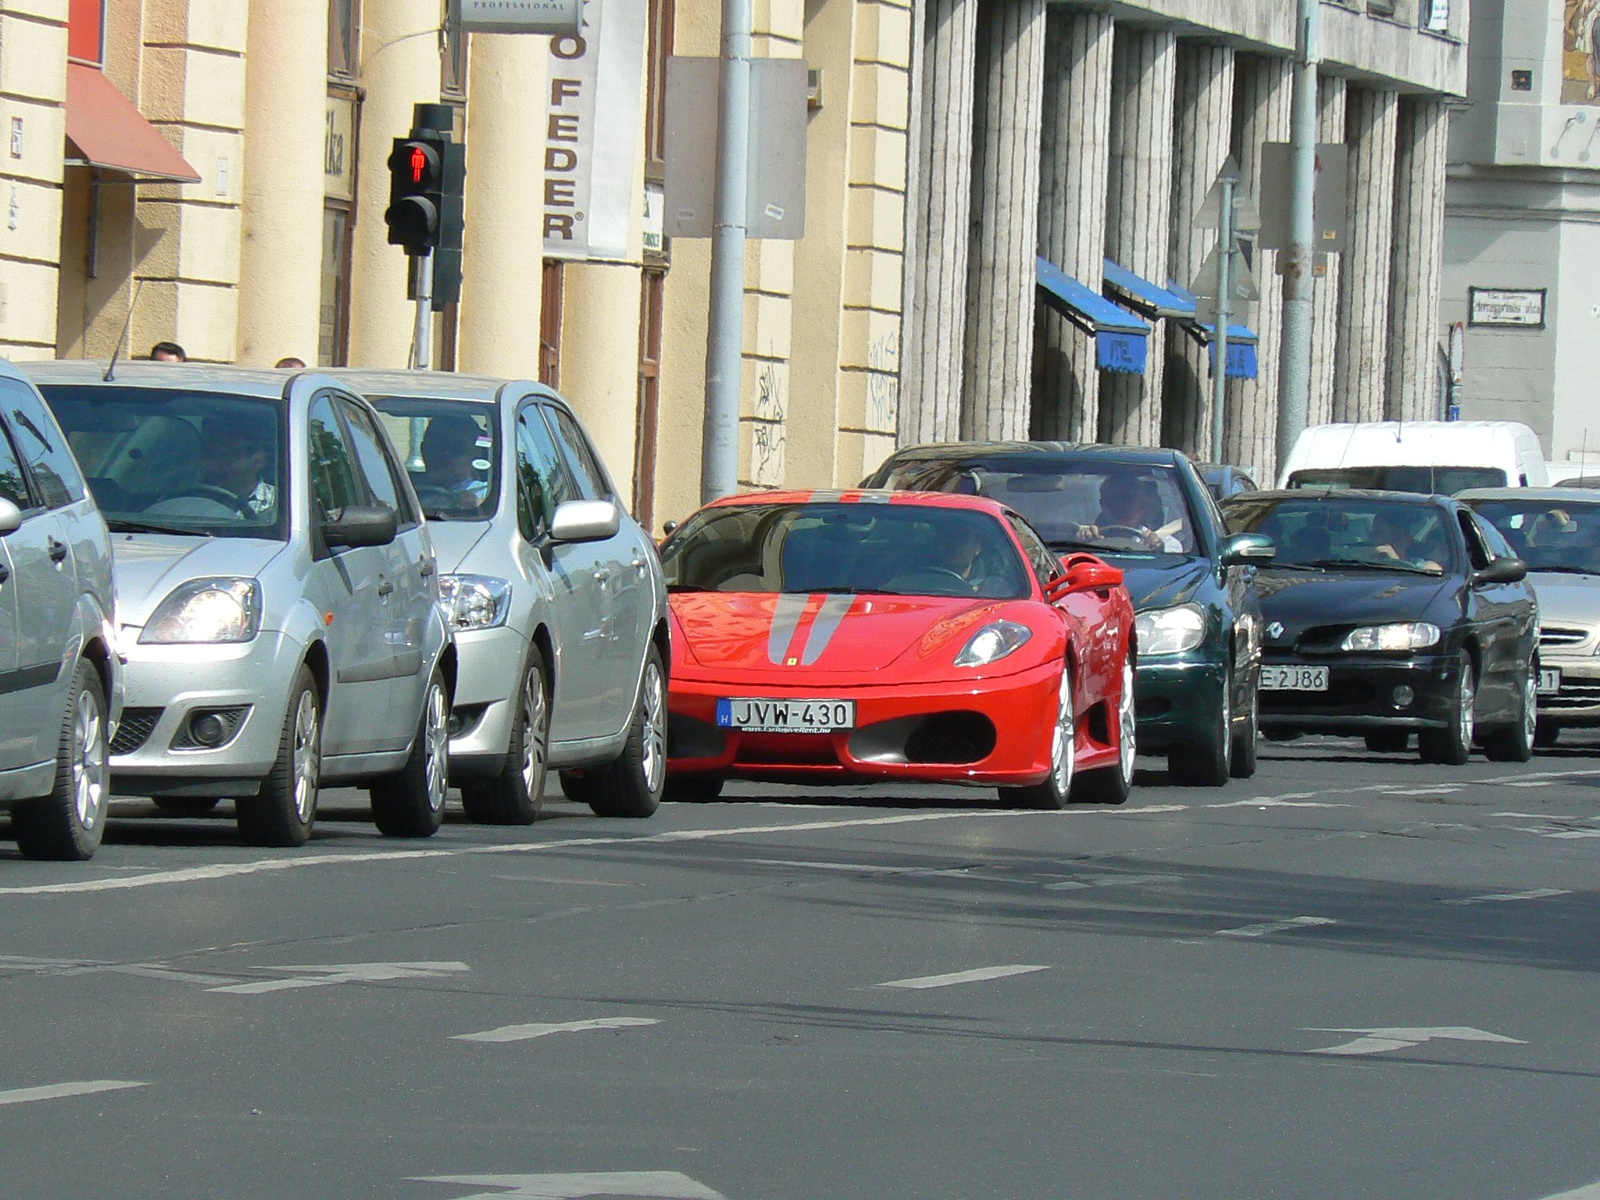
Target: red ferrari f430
(856,636)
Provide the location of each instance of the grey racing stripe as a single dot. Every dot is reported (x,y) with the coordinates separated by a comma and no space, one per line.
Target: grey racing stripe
(785,620)
(825,626)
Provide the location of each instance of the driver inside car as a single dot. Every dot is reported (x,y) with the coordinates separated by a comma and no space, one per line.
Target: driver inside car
(238,450)
(448,449)
(1132,505)
(1395,537)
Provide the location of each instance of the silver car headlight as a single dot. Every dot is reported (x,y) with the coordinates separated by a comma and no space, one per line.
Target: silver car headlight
(1170,630)
(474,601)
(1401,635)
(992,643)
(217,610)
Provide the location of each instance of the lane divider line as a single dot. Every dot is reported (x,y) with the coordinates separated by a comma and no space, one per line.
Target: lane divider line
(1266,927)
(59,1091)
(979,975)
(523,1033)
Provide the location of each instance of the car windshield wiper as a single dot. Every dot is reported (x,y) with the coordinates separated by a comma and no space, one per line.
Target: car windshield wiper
(1369,565)
(123,525)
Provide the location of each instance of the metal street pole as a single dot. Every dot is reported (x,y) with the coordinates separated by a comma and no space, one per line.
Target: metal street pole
(1219,343)
(422,336)
(719,463)
(1294,363)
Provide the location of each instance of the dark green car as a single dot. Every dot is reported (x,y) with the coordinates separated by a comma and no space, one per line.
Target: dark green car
(1198,632)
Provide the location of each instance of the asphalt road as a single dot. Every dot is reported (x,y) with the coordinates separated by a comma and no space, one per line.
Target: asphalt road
(1353,976)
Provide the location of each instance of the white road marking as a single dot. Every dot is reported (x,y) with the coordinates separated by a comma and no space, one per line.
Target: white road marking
(1146,808)
(1282,802)
(955,977)
(1536,816)
(1070,885)
(1535,894)
(1592,1192)
(523,1033)
(1531,783)
(1266,927)
(655,1185)
(157,971)
(1377,1041)
(58,1091)
(332,973)
(1448,789)
(861,868)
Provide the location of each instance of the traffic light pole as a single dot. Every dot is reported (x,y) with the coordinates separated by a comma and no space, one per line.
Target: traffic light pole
(1294,369)
(422,337)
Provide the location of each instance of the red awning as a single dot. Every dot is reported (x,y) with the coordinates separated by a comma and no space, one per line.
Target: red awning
(108,131)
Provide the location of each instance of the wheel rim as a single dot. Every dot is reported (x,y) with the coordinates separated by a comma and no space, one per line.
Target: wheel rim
(535,720)
(307,756)
(1464,715)
(436,745)
(1127,725)
(88,760)
(1530,707)
(655,727)
(1227,723)
(1063,742)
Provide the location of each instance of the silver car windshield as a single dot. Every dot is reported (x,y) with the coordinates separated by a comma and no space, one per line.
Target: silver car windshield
(452,453)
(1548,535)
(158,460)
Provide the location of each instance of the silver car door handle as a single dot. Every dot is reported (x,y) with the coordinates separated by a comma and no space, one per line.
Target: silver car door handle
(639,566)
(424,567)
(385,589)
(58,552)
(5,572)
(601,575)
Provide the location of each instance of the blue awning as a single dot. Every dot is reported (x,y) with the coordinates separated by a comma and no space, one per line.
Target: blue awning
(1145,298)
(1122,340)
(1242,340)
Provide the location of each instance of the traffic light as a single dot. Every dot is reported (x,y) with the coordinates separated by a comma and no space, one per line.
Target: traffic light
(416,190)
(452,222)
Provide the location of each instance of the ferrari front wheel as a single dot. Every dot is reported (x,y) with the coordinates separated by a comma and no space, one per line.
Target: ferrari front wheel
(1056,790)
(1111,785)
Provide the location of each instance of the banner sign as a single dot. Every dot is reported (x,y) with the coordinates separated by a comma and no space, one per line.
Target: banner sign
(593,114)
(519,16)
(1507,308)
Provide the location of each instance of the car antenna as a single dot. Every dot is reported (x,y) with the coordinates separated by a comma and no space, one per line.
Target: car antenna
(111,367)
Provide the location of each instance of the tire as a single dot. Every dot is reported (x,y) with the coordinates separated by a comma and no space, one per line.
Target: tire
(1245,742)
(410,803)
(186,806)
(1453,746)
(631,785)
(1055,792)
(284,810)
(1111,785)
(1387,741)
(694,787)
(1514,742)
(575,786)
(68,823)
(1546,735)
(514,796)
(1208,764)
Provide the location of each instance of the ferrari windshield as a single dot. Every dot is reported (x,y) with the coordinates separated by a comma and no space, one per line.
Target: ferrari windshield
(181,461)
(1548,535)
(881,548)
(1348,531)
(451,451)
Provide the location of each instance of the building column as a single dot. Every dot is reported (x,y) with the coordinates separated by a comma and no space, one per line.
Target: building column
(1325,293)
(502,250)
(1138,212)
(31,239)
(1418,261)
(280,252)
(1074,149)
(938,229)
(600,313)
(1003,268)
(1360,371)
(1262,97)
(1201,136)
(399,68)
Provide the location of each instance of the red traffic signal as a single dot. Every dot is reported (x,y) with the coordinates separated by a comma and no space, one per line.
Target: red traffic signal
(416,181)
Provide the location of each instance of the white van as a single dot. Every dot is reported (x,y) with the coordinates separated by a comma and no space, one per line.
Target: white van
(1441,457)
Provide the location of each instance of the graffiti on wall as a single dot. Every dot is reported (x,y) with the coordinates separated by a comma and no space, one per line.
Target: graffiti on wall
(1580,68)
(768,432)
(883,384)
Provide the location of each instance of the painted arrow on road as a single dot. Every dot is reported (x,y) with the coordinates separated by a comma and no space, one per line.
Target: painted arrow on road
(331,973)
(660,1185)
(1376,1041)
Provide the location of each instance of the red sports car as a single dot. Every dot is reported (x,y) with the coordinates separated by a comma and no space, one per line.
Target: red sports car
(842,636)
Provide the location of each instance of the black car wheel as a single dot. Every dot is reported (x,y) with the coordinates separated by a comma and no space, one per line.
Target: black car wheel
(1210,763)
(284,810)
(631,786)
(1387,741)
(1514,742)
(1546,735)
(410,803)
(694,787)
(68,823)
(513,797)
(1244,740)
(1452,746)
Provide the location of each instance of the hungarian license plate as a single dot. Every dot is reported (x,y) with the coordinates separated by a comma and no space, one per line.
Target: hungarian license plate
(786,716)
(1549,681)
(1294,679)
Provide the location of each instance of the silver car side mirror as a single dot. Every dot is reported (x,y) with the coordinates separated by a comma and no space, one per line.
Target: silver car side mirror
(585,521)
(10,517)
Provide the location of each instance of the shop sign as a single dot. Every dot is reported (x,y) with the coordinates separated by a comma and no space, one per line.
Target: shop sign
(520,16)
(338,150)
(1506,308)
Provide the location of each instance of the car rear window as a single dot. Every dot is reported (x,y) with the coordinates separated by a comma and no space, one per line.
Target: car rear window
(1428,481)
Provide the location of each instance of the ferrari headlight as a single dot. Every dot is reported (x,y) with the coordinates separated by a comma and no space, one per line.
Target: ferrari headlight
(1402,635)
(992,643)
(1170,630)
(474,601)
(215,610)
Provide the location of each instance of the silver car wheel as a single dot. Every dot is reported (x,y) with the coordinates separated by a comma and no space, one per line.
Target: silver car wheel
(1127,723)
(654,697)
(1064,741)
(1464,706)
(1530,707)
(89,760)
(307,756)
(436,733)
(535,728)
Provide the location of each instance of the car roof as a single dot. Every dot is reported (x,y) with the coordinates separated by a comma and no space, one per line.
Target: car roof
(264,382)
(1327,495)
(868,496)
(1571,495)
(1045,451)
(442,385)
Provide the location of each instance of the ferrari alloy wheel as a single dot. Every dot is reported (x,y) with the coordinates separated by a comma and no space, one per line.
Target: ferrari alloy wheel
(1515,742)
(1452,746)
(1056,790)
(1208,763)
(1111,785)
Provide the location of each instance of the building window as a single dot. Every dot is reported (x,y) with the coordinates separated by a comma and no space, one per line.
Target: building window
(333,340)
(662,16)
(344,38)
(86,25)
(651,310)
(452,62)
(550,324)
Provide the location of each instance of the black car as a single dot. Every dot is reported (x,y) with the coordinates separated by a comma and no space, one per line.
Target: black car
(1197,634)
(1223,480)
(1390,613)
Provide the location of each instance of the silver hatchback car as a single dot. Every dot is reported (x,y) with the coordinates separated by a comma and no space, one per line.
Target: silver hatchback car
(60,682)
(277,601)
(554,591)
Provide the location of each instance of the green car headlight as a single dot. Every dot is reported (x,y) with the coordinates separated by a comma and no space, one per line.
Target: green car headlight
(1170,630)
(1401,635)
